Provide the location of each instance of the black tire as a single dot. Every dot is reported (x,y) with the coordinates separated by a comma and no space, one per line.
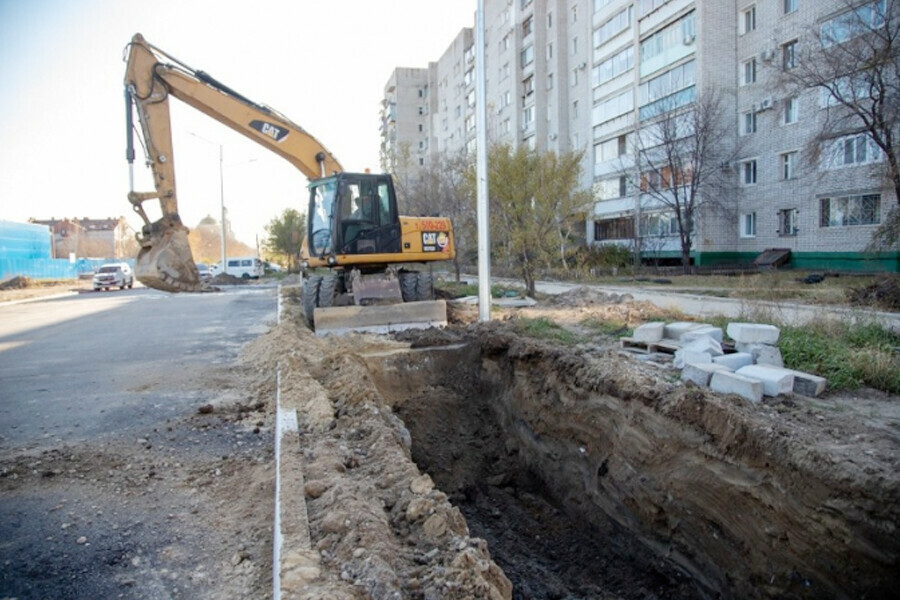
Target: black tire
(245,276)
(408,285)
(329,290)
(425,286)
(122,287)
(310,298)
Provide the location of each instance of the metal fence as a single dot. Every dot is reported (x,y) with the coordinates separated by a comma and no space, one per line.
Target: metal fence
(52,268)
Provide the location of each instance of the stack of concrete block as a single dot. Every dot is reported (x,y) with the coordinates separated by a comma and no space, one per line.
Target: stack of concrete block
(754,371)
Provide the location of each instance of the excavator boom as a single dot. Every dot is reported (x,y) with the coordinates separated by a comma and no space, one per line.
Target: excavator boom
(165,260)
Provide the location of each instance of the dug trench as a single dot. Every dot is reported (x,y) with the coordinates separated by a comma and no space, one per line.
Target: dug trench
(477,463)
(591,476)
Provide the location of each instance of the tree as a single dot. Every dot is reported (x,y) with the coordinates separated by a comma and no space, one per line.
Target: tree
(285,235)
(442,188)
(534,201)
(682,160)
(853,61)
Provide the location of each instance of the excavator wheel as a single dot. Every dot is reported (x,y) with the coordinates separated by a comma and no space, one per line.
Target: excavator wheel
(415,286)
(310,297)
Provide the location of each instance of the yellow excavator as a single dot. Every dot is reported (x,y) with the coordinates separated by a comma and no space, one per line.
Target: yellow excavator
(357,246)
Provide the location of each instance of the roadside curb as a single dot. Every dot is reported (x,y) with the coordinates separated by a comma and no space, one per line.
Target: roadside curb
(37,299)
(294,562)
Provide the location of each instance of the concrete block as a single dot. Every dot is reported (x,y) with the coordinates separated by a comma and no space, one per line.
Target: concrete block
(735,360)
(704,344)
(732,383)
(763,354)
(807,384)
(703,330)
(649,332)
(775,381)
(673,331)
(686,357)
(753,333)
(700,374)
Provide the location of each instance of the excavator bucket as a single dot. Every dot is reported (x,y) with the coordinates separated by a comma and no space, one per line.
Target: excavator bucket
(380,318)
(165,261)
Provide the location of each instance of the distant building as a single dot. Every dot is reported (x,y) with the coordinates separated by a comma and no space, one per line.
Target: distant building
(95,238)
(595,75)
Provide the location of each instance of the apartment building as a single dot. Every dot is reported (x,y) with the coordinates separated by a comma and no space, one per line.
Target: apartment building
(594,75)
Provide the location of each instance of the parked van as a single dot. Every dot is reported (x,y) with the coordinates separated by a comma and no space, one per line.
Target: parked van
(245,267)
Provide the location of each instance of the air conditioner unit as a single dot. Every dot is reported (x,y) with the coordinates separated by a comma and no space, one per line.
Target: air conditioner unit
(766,104)
(767,55)
(582,66)
(552,136)
(688,39)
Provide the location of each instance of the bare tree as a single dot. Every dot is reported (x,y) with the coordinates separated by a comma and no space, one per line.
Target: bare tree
(683,163)
(442,188)
(853,60)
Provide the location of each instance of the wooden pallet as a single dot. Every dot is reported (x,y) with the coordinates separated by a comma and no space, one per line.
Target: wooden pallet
(667,346)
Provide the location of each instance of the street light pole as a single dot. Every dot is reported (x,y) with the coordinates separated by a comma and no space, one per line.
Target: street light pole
(222,202)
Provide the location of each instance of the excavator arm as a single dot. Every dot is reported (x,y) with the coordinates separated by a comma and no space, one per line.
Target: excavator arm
(165,261)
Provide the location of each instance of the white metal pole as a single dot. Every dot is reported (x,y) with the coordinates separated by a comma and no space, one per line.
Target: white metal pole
(481,172)
(222,202)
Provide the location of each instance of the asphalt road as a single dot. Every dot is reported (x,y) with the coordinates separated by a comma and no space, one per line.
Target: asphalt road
(101,363)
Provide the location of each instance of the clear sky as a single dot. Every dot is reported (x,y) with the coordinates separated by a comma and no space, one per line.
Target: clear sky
(322,64)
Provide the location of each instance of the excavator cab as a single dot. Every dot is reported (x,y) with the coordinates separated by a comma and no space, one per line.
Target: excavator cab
(351,214)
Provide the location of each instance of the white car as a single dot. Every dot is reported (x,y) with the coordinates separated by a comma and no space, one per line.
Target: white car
(113,275)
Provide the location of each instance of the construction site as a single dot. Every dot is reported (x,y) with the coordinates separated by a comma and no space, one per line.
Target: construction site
(474,462)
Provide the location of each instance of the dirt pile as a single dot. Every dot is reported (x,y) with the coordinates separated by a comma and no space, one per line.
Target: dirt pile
(883,294)
(379,527)
(16,283)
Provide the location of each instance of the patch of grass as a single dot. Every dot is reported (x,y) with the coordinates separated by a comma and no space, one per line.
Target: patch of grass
(607,327)
(460,289)
(544,329)
(848,355)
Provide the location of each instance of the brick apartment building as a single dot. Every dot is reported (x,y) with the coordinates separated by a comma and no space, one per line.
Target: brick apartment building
(91,238)
(591,75)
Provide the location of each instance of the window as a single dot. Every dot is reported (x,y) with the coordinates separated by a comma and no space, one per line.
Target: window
(852,150)
(749,19)
(659,225)
(788,165)
(575,109)
(748,225)
(549,20)
(528,85)
(614,229)
(528,116)
(748,172)
(850,210)
(549,51)
(504,43)
(670,44)
(505,99)
(527,25)
(470,99)
(527,56)
(421,128)
(749,75)
(613,107)
(608,189)
(789,55)
(787,222)
(550,81)
(791,111)
(853,23)
(469,77)
(504,71)
(668,91)
(748,122)
(790,6)
(616,25)
(574,76)
(574,46)
(619,63)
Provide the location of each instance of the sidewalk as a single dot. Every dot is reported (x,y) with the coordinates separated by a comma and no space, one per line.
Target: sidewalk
(792,313)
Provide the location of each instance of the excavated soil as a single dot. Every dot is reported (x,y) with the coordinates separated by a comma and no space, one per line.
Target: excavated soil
(475,463)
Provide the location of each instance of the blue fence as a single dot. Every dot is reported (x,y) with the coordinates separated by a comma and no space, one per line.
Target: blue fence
(52,268)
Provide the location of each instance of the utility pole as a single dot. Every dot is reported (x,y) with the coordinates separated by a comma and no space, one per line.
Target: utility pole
(481,172)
